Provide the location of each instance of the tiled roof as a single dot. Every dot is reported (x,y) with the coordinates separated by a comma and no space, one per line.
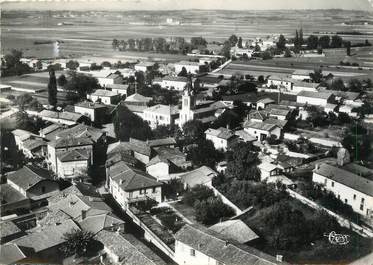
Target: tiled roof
(278,123)
(220,248)
(221,132)
(82,130)
(71,141)
(235,229)
(246,137)
(28,176)
(310,94)
(132,179)
(306,84)
(96,223)
(188,63)
(74,155)
(265,101)
(65,115)
(22,134)
(259,125)
(32,144)
(279,112)
(198,176)
(90,105)
(346,178)
(118,86)
(104,93)
(128,249)
(162,142)
(137,98)
(343,94)
(176,78)
(140,147)
(51,128)
(8,228)
(10,254)
(166,110)
(50,236)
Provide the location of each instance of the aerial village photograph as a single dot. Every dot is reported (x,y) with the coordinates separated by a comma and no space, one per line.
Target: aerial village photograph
(185,132)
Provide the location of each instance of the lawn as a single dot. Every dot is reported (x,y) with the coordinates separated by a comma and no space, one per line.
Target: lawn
(187,211)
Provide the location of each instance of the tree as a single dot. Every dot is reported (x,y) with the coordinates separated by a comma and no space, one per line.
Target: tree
(81,84)
(115,43)
(193,130)
(239,43)
(355,85)
(24,122)
(336,42)
(52,89)
(266,55)
(106,64)
(72,65)
(212,210)
(197,193)
(203,153)
(338,85)
(127,125)
(348,48)
(23,101)
(229,118)
(198,41)
(316,76)
(233,40)
(324,41)
(140,80)
(287,53)
(61,80)
(11,64)
(226,50)
(281,44)
(183,72)
(312,42)
(301,41)
(242,162)
(78,242)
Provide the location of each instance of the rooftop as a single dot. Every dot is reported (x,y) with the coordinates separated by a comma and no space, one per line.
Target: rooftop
(197,176)
(69,141)
(235,229)
(224,250)
(8,228)
(166,110)
(221,132)
(74,155)
(310,94)
(346,178)
(259,125)
(137,98)
(81,130)
(28,176)
(51,128)
(10,254)
(104,93)
(128,249)
(176,78)
(65,115)
(89,105)
(188,63)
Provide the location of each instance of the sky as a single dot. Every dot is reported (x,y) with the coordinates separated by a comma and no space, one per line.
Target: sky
(185,4)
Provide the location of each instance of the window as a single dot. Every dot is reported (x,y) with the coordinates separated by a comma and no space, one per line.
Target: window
(141,191)
(361,207)
(42,189)
(354,196)
(362,200)
(332,183)
(326,182)
(339,197)
(154,190)
(192,252)
(346,201)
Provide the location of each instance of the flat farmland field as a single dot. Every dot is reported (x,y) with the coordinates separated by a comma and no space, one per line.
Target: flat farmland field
(91,32)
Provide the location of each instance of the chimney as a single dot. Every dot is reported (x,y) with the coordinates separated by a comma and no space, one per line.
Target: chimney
(84,214)
(279,258)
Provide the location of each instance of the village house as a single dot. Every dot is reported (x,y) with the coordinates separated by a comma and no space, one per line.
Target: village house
(128,185)
(282,83)
(199,176)
(96,112)
(172,82)
(261,130)
(32,182)
(65,117)
(191,67)
(158,115)
(50,131)
(263,103)
(236,230)
(245,136)
(195,245)
(121,89)
(123,248)
(104,96)
(9,231)
(30,144)
(268,170)
(348,186)
(315,98)
(144,66)
(300,86)
(222,138)
(60,147)
(279,112)
(167,161)
(137,103)
(330,107)
(73,164)
(110,79)
(240,52)
(302,75)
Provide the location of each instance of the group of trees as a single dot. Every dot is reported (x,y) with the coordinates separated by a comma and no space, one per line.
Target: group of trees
(176,45)
(242,162)
(325,41)
(209,209)
(127,125)
(11,64)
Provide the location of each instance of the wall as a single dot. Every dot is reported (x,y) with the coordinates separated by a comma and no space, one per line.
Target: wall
(86,111)
(143,158)
(37,189)
(159,170)
(291,137)
(312,101)
(226,201)
(183,256)
(219,143)
(354,198)
(71,169)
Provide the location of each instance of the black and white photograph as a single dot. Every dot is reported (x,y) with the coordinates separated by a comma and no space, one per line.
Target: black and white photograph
(186,132)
